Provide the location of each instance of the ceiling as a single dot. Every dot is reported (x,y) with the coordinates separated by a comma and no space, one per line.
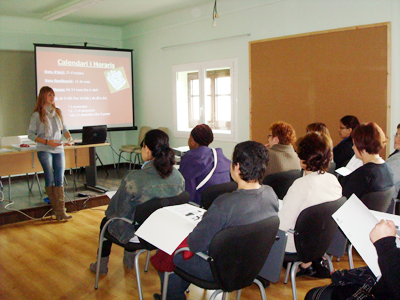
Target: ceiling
(98,12)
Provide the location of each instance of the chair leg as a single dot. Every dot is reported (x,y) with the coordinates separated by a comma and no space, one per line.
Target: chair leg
(146,267)
(329,262)
(350,255)
(101,239)
(216,293)
(38,183)
(130,161)
(288,267)
(293,273)
(238,294)
(29,183)
(139,285)
(9,188)
(138,159)
(261,287)
(119,160)
(165,285)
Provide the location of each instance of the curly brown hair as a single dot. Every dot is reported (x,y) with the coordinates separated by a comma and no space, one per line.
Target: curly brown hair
(315,150)
(284,132)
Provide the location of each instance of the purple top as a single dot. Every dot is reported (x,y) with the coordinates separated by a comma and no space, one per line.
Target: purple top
(196,164)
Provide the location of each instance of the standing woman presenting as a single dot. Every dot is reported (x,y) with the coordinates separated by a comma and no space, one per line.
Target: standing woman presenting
(46,129)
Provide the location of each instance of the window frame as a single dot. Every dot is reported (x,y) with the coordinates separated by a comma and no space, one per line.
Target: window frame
(201,68)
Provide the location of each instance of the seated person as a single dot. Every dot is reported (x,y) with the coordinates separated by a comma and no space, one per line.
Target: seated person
(318,127)
(316,187)
(282,156)
(394,161)
(157,179)
(343,151)
(250,203)
(198,163)
(374,175)
(383,237)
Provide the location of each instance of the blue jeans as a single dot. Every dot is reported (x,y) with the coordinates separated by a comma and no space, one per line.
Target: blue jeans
(53,165)
(176,285)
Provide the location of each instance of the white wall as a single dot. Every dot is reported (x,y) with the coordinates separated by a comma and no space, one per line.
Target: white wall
(262,19)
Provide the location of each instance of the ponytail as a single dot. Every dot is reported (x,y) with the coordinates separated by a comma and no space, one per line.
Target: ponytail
(163,156)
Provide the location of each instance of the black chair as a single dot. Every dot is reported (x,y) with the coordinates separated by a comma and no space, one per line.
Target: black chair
(272,268)
(379,201)
(236,256)
(332,168)
(313,233)
(338,247)
(142,212)
(212,192)
(281,182)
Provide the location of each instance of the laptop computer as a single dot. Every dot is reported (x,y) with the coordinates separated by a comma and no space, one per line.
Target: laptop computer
(93,134)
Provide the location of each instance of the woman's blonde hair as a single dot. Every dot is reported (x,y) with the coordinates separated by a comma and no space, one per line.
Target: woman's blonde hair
(41,103)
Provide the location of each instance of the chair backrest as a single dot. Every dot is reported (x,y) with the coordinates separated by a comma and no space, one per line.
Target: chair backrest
(379,201)
(332,168)
(144,210)
(239,252)
(273,265)
(165,129)
(338,245)
(212,192)
(142,133)
(315,229)
(281,182)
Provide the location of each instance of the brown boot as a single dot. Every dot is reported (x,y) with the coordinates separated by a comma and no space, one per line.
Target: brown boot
(52,198)
(60,203)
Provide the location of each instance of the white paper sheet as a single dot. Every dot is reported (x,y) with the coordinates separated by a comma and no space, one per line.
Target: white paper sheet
(353,165)
(110,194)
(343,171)
(167,227)
(280,203)
(356,221)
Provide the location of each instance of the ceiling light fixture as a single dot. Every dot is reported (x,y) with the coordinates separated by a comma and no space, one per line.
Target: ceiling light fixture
(215,14)
(69,9)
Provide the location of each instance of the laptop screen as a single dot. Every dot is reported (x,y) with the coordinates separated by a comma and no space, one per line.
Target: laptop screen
(94,134)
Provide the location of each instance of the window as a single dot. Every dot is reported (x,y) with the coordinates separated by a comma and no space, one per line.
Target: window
(205,93)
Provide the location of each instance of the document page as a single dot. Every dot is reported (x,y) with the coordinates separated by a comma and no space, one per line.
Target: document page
(353,165)
(188,212)
(356,222)
(167,227)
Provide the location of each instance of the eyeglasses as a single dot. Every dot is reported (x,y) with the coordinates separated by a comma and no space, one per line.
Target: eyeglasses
(341,127)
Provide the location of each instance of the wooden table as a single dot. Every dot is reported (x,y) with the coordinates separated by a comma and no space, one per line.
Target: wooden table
(76,156)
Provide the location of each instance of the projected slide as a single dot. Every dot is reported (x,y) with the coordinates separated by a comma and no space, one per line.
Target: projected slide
(92,86)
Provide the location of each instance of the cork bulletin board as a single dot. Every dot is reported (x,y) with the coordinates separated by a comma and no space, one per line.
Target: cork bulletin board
(320,77)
